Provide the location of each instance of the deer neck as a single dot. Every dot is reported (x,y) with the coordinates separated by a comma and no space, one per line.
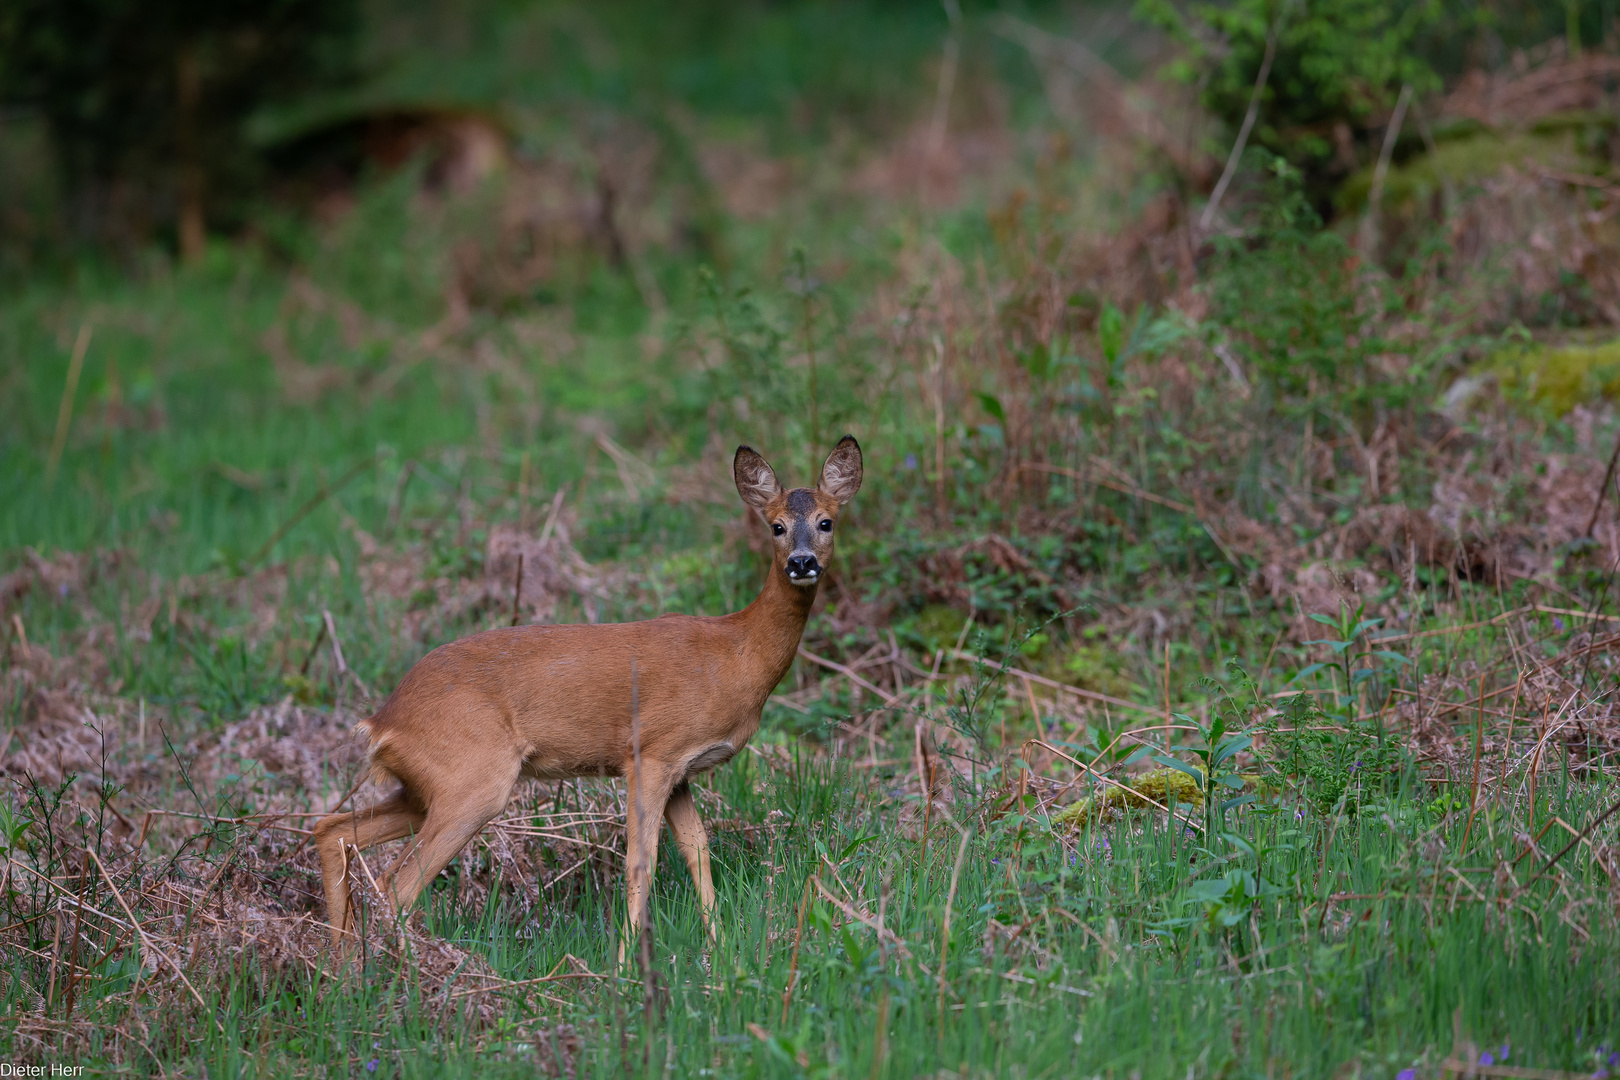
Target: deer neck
(772,626)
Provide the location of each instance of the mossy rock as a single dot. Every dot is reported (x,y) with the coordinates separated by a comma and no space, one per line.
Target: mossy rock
(1158,786)
(1557,378)
(1464,163)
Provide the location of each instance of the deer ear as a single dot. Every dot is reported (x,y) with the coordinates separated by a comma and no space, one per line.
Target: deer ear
(756,483)
(841,475)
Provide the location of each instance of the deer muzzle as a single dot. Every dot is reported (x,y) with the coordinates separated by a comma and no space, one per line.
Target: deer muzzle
(803,569)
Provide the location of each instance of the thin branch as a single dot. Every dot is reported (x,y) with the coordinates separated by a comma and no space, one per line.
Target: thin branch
(1249,118)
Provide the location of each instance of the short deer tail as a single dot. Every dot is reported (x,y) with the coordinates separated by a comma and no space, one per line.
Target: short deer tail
(377,772)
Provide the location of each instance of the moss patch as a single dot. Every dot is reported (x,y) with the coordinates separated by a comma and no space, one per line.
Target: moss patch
(1557,378)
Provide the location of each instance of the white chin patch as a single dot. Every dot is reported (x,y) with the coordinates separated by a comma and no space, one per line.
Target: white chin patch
(805,579)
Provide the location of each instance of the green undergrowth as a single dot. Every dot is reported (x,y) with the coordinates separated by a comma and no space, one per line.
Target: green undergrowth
(1282,941)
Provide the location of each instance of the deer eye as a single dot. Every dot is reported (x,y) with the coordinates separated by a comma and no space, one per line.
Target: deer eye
(777,528)
(826,524)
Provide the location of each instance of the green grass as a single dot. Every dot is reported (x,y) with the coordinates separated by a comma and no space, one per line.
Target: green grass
(1120,966)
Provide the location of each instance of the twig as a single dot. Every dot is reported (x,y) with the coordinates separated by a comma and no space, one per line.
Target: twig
(1249,118)
(798,937)
(1582,835)
(326,491)
(1495,620)
(833,665)
(337,654)
(1368,238)
(551,516)
(1090,695)
(64,414)
(517,593)
(862,917)
(504,986)
(1603,489)
(1479,739)
(1113,485)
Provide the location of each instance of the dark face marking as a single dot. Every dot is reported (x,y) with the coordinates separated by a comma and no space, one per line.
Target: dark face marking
(801,504)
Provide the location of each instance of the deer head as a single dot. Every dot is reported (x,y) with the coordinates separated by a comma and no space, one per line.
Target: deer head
(802,520)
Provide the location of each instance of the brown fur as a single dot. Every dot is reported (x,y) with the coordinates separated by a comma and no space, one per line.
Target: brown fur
(656,702)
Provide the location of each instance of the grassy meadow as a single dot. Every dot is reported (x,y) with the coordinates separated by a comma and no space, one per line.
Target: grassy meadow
(1215,677)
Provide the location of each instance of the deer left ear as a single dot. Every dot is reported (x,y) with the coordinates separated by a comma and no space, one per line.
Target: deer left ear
(841,475)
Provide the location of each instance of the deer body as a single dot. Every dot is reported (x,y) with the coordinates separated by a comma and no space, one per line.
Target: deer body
(656,702)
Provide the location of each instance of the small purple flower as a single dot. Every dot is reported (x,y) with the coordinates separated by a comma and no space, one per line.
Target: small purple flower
(1487,1059)
(1406,1074)
(1503,1055)
(910,463)
(62,589)
(1558,624)
(1614,1058)
(371,1066)
(1601,1074)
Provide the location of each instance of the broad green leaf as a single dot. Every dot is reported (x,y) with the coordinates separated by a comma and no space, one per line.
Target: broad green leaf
(1138,754)
(854,845)
(1308,669)
(1210,892)
(1232,744)
(1181,766)
(992,405)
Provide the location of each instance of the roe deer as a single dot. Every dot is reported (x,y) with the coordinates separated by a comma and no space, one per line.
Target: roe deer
(656,702)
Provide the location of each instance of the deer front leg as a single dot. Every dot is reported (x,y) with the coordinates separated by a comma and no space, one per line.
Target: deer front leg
(682,814)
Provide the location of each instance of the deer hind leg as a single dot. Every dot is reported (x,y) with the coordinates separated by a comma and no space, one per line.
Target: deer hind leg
(648,789)
(682,814)
(455,816)
(390,819)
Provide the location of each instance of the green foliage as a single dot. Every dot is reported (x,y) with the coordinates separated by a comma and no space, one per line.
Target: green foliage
(1337,64)
(1353,655)
(1337,765)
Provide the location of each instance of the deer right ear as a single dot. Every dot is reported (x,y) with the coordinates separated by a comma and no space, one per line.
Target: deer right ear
(756,483)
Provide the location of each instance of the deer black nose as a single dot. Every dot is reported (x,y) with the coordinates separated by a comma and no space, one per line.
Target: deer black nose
(803,569)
